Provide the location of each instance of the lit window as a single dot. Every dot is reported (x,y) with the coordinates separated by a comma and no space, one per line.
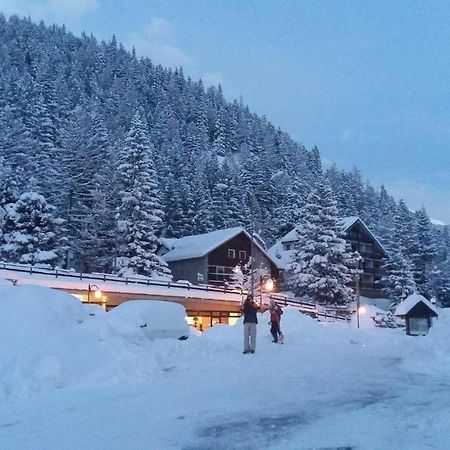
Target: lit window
(231,253)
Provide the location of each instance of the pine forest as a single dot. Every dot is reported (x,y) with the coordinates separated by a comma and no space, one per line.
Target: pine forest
(104,152)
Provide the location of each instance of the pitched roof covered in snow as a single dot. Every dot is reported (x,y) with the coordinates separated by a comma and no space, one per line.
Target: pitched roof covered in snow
(282,257)
(199,245)
(346,224)
(407,305)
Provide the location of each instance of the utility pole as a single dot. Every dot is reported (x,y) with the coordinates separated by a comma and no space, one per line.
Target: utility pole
(252,250)
(358,277)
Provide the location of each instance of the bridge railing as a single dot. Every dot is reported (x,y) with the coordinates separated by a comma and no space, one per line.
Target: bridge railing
(309,308)
(32,270)
(304,306)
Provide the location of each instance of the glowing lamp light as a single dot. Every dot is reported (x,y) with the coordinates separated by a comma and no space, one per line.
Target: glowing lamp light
(269,285)
(362,309)
(97,292)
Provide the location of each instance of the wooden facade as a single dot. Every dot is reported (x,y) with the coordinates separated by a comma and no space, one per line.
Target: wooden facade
(372,253)
(360,238)
(216,266)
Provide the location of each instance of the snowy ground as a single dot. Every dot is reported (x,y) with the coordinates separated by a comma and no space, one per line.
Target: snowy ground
(69,380)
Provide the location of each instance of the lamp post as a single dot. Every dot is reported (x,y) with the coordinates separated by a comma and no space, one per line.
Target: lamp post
(268,285)
(252,246)
(358,280)
(97,292)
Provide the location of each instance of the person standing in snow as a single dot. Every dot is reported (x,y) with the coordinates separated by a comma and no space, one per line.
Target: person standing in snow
(249,309)
(275,319)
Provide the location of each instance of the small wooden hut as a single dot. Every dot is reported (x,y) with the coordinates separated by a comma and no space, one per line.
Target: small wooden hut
(418,313)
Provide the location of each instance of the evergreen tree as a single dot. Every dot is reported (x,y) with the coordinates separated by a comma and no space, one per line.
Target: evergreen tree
(30,232)
(139,212)
(322,267)
(439,285)
(425,251)
(397,277)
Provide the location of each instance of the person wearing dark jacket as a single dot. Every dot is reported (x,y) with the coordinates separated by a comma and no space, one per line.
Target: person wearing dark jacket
(275,319)
(249,309)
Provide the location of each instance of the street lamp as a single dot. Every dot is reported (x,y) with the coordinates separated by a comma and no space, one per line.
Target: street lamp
(358,291)
(252,245)
(268,286)
(97,292)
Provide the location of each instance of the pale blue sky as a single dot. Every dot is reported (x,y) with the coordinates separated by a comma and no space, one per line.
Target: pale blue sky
(368,82)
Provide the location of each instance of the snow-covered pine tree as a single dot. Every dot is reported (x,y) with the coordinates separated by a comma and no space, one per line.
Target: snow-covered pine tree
(322,266)
(398,272)
(425,251)
(384,228)
(405,230)
(289,209)
(202,221)
(139,212)
(226,209)
(439,284)
(397,276)
(30,232)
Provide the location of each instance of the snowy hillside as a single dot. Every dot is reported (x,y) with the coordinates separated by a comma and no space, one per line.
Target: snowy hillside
(71,380)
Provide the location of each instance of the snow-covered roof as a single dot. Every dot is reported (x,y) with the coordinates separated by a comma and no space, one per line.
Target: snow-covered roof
(282,257)
(437,222)
(167,242)
(346,223)
(199,245)
(290,237)
(406,305)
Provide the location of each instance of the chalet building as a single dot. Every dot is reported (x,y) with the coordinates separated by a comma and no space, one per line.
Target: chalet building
(210,258)
(361,239)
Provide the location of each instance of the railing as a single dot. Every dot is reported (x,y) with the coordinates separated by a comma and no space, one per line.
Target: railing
(306,307)
(30,270)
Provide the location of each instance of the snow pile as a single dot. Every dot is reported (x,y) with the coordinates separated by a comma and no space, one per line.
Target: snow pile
(50,340)
(149,319)
(37,328)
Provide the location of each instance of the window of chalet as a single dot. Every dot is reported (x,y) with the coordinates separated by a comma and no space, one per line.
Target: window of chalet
(242,255)
(231,253)
(287,246)
(365,247)
(219,273)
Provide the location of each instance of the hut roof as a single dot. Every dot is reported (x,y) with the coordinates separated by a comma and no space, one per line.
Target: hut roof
(407,305)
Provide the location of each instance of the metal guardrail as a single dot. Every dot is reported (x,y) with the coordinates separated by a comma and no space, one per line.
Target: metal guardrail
(114,278)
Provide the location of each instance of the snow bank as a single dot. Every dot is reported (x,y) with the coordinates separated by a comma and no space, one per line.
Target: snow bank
(51,340)
(37,327)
